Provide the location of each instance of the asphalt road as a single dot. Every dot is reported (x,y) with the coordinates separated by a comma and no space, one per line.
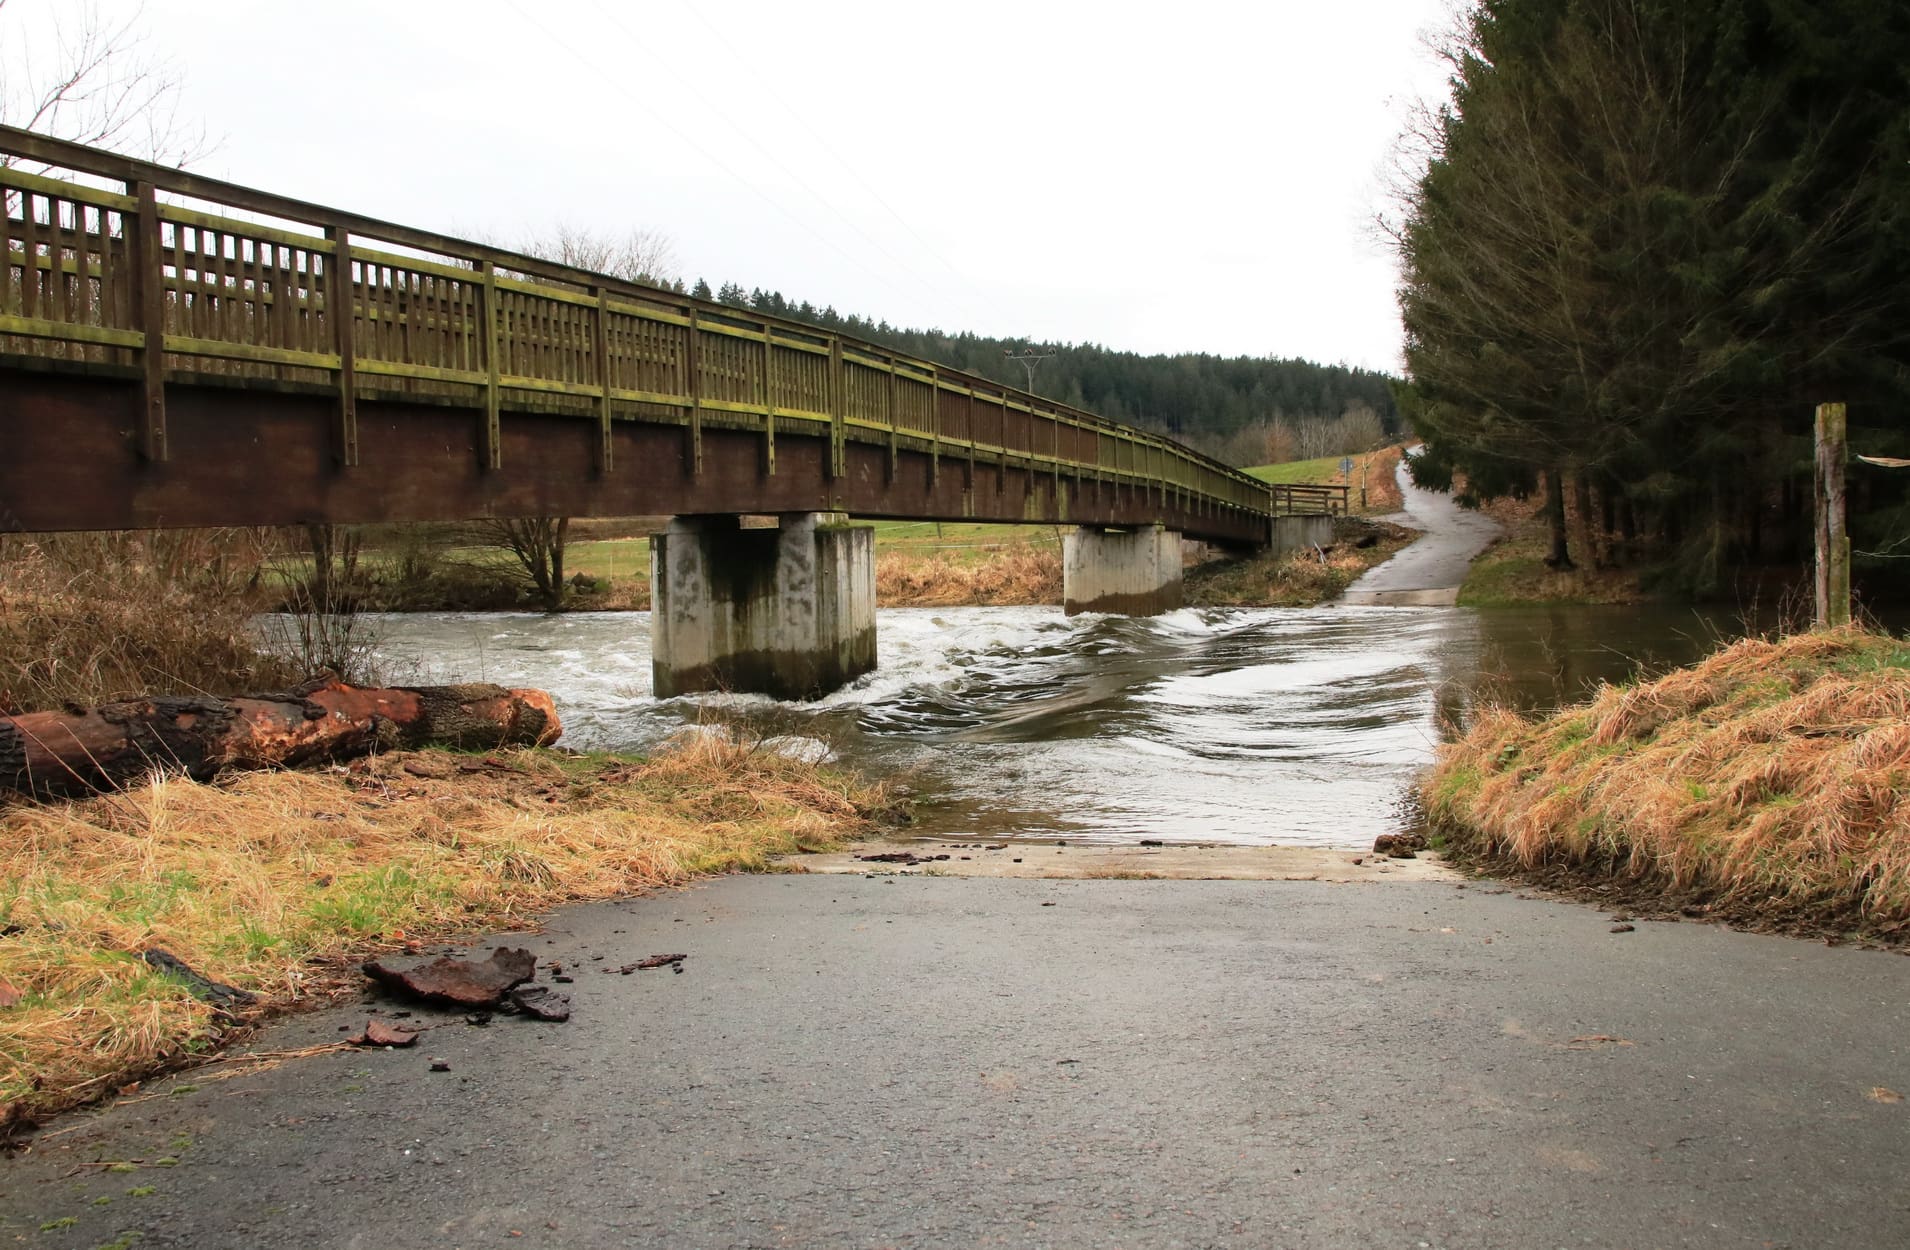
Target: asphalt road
(936,1062)
(1429,572)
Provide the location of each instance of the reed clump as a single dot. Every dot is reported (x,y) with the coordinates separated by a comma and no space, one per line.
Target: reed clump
(279,882)
(87,618)
(1771,780)
(1008,575)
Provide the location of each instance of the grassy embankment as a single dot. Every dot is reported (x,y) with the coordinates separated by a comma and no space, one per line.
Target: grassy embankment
(1023,566)
(278,882)
(1371,480)
(1513,569)
(1768,785)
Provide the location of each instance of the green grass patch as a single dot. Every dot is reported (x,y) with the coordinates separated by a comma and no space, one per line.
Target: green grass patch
(1320,472)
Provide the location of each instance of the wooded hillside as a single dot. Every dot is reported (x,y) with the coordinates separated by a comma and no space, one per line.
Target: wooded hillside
(1243,409)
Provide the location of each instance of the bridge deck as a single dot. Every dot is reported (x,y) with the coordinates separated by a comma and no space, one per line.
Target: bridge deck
(178,351)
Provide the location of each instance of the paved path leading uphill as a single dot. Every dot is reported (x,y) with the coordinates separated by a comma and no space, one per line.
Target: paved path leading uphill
(911,1061)
(1430,572)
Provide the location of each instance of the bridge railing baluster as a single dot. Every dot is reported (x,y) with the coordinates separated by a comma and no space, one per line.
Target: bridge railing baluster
(600,373)
(341,319)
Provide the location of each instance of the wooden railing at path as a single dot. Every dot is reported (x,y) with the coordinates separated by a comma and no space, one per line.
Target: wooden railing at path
(230,281)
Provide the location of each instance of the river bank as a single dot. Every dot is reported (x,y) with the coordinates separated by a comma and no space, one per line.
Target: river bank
(278,883)
(916,565)
(1512,569)
(1767,785)
(1256,728)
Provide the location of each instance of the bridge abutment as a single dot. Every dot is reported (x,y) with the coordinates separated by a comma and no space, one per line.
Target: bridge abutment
(1290,533)
(787,612)
(1133,572)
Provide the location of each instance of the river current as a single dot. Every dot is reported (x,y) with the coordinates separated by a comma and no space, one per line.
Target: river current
(1242,726)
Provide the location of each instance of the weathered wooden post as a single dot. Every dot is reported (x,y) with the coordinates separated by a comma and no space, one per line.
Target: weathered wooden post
(1833,543)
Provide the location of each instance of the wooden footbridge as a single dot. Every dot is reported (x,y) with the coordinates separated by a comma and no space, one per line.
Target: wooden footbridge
(180,351)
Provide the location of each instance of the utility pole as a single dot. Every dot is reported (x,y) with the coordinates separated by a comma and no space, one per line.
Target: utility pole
(1029,358)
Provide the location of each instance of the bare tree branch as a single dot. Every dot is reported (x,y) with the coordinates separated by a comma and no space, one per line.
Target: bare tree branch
(95,80)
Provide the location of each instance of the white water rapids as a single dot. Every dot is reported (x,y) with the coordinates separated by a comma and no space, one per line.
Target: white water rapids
(1245,726)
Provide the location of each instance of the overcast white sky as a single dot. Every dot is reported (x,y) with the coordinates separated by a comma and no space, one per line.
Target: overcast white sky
(1159,177)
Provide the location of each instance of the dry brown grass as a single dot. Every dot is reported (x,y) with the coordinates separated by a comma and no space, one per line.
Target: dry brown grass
(1016,574)
(90,617)
(1296,579)
(1774,772)
(1382,483)
(1008,575)
(268,880)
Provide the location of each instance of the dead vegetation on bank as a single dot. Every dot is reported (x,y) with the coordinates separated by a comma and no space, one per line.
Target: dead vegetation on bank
(1003,576)
(277,882)
(1031,574)
(1769,784)
(1301,578)
(89,618)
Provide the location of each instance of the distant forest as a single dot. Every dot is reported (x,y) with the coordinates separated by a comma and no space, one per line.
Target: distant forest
(1242,409)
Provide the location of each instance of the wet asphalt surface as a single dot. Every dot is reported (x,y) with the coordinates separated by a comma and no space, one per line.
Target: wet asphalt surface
(1437,561)
(936,1062)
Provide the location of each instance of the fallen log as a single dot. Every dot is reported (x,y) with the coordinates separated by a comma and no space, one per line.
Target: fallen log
(82,750)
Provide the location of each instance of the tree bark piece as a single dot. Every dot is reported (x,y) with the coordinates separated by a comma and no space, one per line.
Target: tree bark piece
(379,1033)
(459,982)
(82,750)
(540,1003)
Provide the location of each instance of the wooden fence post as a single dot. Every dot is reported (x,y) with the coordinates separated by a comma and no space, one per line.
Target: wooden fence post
(1833,543)
(149,278)
(491,442)
(339,312)
(600,348)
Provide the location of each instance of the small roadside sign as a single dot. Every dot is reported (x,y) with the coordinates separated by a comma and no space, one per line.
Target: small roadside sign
(1346,465)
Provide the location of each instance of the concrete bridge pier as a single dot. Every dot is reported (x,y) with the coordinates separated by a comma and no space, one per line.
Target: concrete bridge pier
(787,612)
(1135,572)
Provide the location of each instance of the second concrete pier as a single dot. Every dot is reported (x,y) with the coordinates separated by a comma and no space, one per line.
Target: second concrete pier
(1122,572)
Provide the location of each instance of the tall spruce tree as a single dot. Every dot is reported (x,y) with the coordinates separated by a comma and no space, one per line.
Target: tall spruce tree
(1650,235)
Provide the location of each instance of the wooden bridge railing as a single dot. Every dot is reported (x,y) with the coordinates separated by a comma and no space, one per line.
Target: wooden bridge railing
(126,275)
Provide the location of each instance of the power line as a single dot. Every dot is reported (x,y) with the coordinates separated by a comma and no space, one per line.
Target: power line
(1029,358)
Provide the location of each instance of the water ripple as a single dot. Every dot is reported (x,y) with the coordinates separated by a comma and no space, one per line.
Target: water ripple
(1237,726)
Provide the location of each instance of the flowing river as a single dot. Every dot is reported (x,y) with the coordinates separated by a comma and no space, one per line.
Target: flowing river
(1245,726)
